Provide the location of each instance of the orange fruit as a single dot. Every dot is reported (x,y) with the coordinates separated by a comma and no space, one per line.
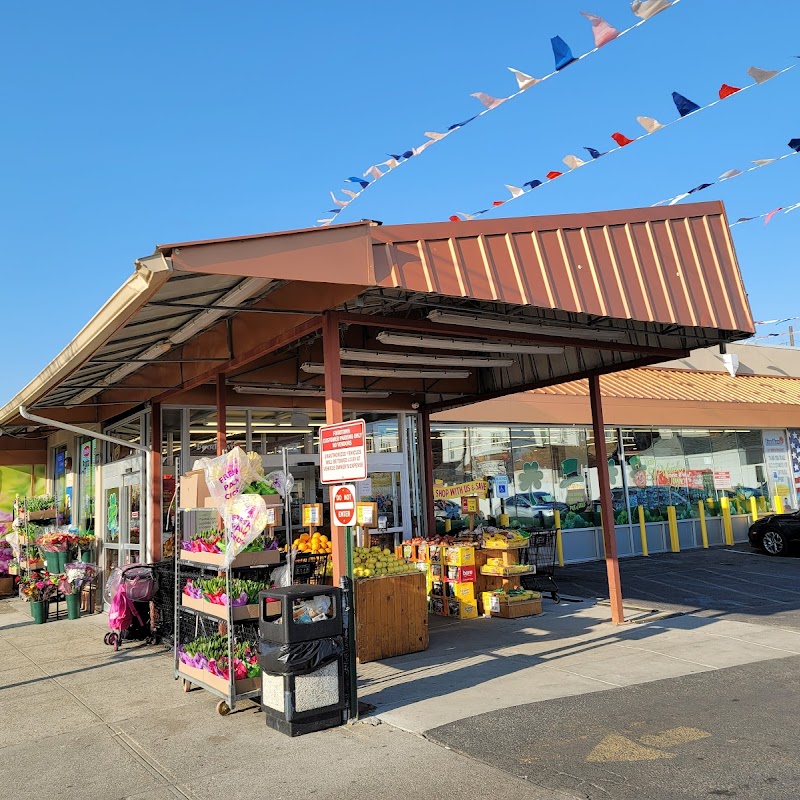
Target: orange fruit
(323,539)
(304,537)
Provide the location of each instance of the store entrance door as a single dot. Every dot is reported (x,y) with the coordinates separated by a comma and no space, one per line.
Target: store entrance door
(122,513)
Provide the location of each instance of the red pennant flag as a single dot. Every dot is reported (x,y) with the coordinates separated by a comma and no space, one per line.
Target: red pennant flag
(772,214)
(621,139)
(727,91)
(553,174)
(498,203)
(454,218)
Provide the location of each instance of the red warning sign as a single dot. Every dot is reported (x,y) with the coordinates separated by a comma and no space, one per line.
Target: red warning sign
(343,502)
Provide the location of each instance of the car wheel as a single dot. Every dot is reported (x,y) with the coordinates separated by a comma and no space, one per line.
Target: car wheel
(774,543)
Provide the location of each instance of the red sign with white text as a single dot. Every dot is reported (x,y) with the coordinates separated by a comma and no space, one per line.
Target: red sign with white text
(343,503)
(343,452)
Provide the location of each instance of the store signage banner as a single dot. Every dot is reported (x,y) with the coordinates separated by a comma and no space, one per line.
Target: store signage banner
(776,456)
(478,488)
(722,479)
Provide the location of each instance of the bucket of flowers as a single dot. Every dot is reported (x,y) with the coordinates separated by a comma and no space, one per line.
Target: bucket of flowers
(37,590)
(56,545)
(75,576)
(86,541)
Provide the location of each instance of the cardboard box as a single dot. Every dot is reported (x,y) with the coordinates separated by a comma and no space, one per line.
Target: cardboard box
(259,558)
(248,612)
(435,553)
(6,585)
(461,609)
(193,490)
(437,605)
(461,574)
(459,556)
(460,591)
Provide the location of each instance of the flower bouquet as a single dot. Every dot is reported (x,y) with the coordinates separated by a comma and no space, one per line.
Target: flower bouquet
(58,543)
(206,659)
(208,547)
(208,595)
(37,590)
(85,541)
(70,583)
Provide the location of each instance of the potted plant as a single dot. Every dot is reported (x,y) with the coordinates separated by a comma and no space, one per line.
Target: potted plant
(86,541)
(37,590)
(70,584)
(56,546)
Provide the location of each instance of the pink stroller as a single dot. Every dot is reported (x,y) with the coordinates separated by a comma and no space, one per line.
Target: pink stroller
(129,591)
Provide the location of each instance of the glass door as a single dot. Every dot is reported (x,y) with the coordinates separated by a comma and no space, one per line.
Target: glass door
(122,513)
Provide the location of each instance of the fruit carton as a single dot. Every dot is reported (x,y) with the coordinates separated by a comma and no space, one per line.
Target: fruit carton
(460,591)
(437,605)
(460,556)
(461,574)
(462,609)
(437,571)
(437,587)
(435,553)
(410,552)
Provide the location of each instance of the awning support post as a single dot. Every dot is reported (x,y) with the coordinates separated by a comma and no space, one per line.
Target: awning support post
(427,466)
(222,421)
(154,488)
(334,413)
(609,531)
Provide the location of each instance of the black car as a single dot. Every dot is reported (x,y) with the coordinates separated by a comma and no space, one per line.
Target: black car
(774,532)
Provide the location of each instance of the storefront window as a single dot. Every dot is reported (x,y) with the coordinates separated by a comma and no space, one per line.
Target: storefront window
(62,492)
(129,430)
(86,484)
(532,499)
(382,432)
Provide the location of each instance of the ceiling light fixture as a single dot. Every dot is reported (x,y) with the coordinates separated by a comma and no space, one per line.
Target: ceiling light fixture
(504,324)
(305,391)
(388,372)
(423,358)
(434,343)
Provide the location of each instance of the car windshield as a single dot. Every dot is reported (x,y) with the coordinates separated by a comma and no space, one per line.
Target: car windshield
(544,497)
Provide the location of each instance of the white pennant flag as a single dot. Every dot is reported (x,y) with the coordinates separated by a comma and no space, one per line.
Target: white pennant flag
(376,172)
(762,162)
(515,190)
(649,124)
(791,208)
(417,150)
(731,173)
(761,75)
(573,162)
(340,203)
(678,198)
(644,9)
(487,100)
(524,81)
(435,136)
(325,221)
(352,195)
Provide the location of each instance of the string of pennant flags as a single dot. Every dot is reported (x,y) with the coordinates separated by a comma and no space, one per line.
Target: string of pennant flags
(602,32)
(767,216)
(776,321)
(685,108)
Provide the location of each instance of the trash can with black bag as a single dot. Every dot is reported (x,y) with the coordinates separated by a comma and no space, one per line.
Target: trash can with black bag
(301,654)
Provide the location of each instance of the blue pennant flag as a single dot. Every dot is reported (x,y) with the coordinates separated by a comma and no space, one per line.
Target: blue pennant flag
(593,153)
(700,188)
(359,181)
(561,53)
(683,104)
(461,124)
(795,145)
(407,154)
(533,184)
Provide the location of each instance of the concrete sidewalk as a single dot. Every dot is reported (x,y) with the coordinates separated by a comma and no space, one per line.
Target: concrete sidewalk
(477,666)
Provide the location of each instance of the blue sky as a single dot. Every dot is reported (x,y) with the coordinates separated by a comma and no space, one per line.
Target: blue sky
(128,126)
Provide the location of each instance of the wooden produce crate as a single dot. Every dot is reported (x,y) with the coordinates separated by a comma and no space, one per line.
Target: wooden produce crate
(526,608)
(257,558)
(391,616)
(45,513)
(247,612)
(192,674)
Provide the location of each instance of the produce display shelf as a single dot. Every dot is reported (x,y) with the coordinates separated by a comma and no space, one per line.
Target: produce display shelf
(507,573)
(519,546)
(247,613)
(191,676)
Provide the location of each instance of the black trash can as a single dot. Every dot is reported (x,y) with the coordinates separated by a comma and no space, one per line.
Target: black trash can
(301,654)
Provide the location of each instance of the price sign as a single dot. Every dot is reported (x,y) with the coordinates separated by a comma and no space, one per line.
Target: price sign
(494,604)
(469,505)
(312,514)
(273,516)
(343,501)
(366,514)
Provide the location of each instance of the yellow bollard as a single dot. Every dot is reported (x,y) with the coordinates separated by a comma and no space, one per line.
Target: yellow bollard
(762,504)
(559,542)
(675,544)
(753,508)
(703,532)
(504,520)
(727,525)
(778,504)
(643,532)
(447,526)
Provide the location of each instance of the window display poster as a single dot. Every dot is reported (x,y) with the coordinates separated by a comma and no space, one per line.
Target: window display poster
(776,458)
(794,448)
(112,514)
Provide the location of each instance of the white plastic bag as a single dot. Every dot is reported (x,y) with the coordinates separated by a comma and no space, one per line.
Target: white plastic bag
(245,517)
(227,475)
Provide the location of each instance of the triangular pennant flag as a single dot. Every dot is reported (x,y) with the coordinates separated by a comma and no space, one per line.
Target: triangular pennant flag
(727,91)
(762,162)
(593,153)
(499,203)
(761,75)
(423,147)
(341,203)
(731,173)
(621,139)
(743,219)
(435,136)
(699,188)
(603,32)
(644,9)
(325,221)
(533,184)
(375,170)
(791,208)
(350,194)
(561,53)
(771,215)
(399,156)
(649,124)
(487,100)
(461,124)
(459,216)
(553,175)
(524,81)
(678,198)
(684,105)
(515,191)
(573,162)
(374,173)
(795,145)
(360,181)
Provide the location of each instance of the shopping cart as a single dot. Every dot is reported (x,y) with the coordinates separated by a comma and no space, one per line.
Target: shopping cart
(541,554)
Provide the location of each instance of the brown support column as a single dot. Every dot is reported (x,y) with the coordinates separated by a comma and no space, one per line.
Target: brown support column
(156,484)
(222,403)
(427,471)
(609,533)
(333,413)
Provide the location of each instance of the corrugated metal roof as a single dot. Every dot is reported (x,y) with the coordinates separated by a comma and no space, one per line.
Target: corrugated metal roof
(672,384)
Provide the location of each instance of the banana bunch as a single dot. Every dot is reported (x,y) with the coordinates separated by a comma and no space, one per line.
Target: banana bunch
(503,540)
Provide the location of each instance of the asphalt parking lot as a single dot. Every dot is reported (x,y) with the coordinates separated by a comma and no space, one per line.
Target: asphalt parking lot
(735,582)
